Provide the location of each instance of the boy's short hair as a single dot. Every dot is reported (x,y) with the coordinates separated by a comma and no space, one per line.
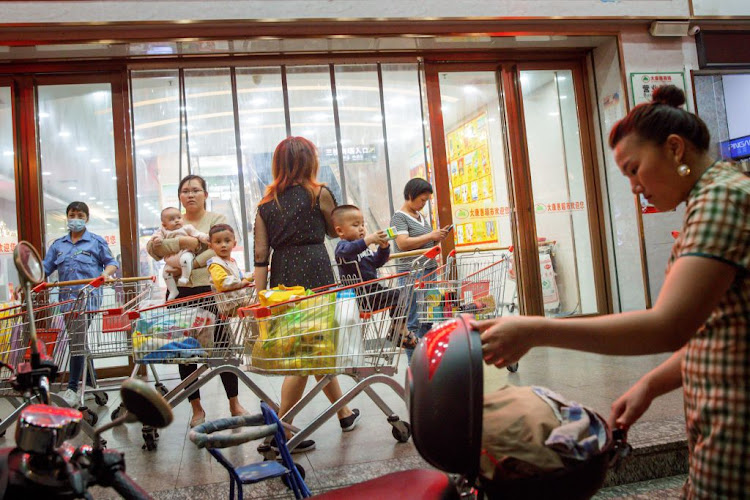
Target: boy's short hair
(219,228)
(416,187)
(338,213)
(169,208)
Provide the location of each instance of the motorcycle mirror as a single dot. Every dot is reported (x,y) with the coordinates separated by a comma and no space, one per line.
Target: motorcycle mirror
(142,400)
(28,263)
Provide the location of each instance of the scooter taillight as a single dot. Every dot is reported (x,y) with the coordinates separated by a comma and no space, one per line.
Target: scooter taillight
(43,428)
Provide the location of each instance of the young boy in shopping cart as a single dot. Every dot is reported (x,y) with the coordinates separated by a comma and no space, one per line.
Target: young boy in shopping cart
(358,262)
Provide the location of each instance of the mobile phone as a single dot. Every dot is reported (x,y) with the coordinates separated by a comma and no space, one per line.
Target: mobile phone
(449,228)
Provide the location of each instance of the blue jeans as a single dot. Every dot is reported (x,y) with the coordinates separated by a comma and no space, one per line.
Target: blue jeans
(77,337)
(413,324)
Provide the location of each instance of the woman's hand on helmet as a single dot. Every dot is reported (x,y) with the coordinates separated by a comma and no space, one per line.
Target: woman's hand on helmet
(505,340)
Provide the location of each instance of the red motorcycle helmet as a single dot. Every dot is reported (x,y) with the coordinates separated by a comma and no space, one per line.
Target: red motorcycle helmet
(445,386)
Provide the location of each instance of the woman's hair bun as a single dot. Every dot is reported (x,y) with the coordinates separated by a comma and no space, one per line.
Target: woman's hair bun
(669,95)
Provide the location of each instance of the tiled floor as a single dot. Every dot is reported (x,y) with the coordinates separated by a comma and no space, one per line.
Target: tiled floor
(177,469)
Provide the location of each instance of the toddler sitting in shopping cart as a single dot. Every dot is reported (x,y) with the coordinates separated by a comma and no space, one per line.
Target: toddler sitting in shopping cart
(358,263)
(225,273)
(180,264)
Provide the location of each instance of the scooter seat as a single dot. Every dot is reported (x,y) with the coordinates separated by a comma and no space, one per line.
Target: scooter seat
(416,484)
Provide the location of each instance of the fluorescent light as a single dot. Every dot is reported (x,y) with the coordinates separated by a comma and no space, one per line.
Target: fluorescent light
(46,173)
(114,177)
(106,169)
(72,188)
(81,149)
(64,133)
(100,203)
(42,114)
(554,113)
(82,193)
(563,97)
(561,78)
(7,153)
(95,160)
(92,198)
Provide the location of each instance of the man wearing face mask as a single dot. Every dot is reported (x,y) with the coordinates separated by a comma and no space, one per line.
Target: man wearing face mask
(79,255)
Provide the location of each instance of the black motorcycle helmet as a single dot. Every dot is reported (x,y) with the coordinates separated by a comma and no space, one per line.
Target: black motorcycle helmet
(445,386)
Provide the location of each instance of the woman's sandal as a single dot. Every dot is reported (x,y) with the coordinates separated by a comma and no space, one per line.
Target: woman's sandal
(409,341)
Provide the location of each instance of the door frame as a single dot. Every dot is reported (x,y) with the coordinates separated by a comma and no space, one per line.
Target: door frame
(520,195)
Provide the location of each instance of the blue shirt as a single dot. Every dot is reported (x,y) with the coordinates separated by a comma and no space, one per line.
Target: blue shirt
(82,260)
(356,254)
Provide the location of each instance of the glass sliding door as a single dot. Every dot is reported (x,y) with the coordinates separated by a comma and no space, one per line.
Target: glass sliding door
(560,201)
(77,158)
(8,219)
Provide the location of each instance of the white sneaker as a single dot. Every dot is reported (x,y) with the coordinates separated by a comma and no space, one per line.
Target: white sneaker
(183,281)
(71,397)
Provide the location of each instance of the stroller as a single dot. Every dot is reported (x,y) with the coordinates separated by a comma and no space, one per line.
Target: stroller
(445,387)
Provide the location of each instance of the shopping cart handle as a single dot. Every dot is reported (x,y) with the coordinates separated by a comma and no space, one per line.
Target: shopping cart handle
(432,252)
(452,253)
(256,311)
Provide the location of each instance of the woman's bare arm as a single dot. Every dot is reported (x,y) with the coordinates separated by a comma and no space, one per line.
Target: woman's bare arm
(327,204)
(262,253)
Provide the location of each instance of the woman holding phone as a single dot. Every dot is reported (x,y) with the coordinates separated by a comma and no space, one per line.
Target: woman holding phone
(414,232)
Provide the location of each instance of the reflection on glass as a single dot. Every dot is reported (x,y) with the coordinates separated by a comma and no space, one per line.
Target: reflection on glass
(559,192)
(403,119)
(156,124)
(8,221)
(262,126)
(311,114)
(213,148)
(361,121)
(77,158)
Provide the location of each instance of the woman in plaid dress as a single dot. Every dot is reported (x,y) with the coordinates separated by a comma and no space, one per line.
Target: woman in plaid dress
(703,310)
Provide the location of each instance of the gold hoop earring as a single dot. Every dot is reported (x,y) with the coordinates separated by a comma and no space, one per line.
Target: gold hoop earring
(683,170)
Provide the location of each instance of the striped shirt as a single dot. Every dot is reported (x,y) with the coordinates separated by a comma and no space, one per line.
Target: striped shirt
(412,227)
(716,368)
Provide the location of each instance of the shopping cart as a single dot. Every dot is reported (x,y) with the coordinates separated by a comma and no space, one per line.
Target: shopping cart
(103,328)
(338,329)
(470,281)
(55,307)
(202,329)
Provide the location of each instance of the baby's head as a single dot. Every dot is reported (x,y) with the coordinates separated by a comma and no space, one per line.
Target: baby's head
(222,240)
(171,218)
(348,222)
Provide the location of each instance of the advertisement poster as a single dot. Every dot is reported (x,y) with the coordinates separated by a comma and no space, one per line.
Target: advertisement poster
(472,183)
(643,84)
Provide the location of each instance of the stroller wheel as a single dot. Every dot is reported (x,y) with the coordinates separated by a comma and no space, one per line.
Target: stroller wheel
(101,398)
(90,417)
(401,431)
(162,389)
(116,412)
(513,368)
(285,478)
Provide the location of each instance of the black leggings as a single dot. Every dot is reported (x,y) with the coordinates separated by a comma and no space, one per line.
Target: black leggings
(229,380)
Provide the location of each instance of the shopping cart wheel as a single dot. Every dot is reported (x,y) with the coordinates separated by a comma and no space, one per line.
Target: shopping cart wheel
(513,368)
(285,480)
(89,416)
(117,412)
(162,389)
(150,438)
(101,398)
(401,431)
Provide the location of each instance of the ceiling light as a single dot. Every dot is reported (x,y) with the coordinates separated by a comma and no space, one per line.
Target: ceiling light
(561,78)
(82,193)
(257,101)
(100,203)
(114,177)
(46,173)
(145,152)
(92,198)
(72,188)
(563,97)
(7,153)
(42,114)
(106,169)
(95,160)
(64,133)
(554,113)
(81,148)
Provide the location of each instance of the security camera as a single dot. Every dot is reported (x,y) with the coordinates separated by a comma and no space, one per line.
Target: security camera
(694,30)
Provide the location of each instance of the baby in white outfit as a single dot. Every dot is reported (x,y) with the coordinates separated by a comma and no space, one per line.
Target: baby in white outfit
(179,264)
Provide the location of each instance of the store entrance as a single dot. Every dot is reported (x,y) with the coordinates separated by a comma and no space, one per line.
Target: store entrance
(517,173)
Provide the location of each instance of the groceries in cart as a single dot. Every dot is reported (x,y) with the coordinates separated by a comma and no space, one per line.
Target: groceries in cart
(294,331)
(469,282)
(185,332)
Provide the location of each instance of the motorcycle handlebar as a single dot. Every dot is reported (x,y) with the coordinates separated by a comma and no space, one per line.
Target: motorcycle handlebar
(127,488)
